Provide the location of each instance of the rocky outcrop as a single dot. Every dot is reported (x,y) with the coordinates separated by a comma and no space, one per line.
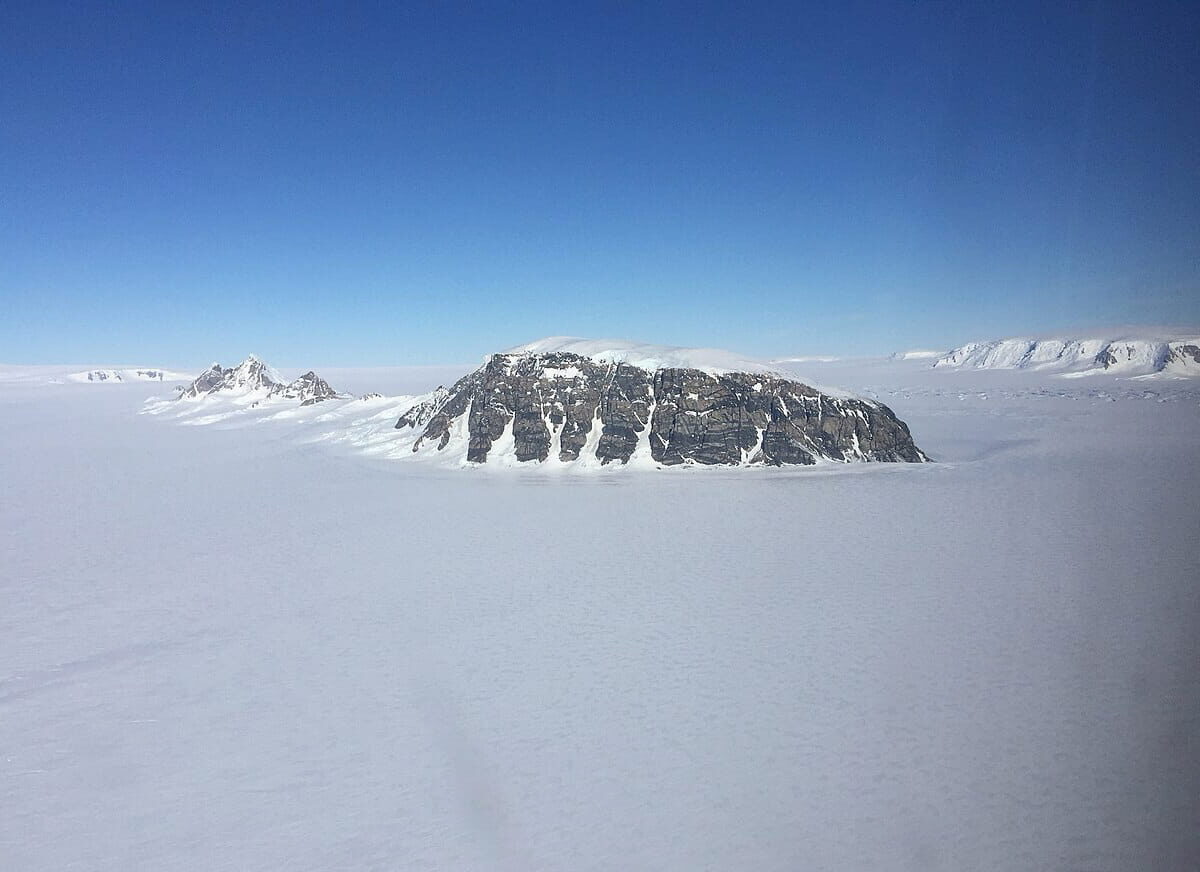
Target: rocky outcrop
(565,407)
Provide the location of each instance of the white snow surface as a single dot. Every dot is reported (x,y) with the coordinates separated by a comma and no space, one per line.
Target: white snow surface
(714,361)
(235,647)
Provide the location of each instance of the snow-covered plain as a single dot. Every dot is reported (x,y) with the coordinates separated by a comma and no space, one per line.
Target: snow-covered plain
(234,648)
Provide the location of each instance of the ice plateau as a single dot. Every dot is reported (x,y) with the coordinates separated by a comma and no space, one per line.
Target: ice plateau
(1133,356)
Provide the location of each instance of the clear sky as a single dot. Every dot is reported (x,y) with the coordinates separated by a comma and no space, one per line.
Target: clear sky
(415,183)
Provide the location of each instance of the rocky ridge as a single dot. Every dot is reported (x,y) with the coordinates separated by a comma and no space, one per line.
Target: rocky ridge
(535,405)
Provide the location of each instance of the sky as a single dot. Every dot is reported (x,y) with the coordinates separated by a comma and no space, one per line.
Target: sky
(378,184)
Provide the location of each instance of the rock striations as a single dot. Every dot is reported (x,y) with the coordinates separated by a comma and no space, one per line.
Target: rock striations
(567,407)
(252,376)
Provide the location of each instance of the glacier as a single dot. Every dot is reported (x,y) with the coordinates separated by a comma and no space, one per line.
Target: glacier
(252,646)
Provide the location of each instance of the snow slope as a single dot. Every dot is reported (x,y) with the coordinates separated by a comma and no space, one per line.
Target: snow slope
(228,648)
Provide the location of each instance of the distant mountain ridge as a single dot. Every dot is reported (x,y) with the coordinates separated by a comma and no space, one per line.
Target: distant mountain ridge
(1071,357)
(128,374)
(253,376)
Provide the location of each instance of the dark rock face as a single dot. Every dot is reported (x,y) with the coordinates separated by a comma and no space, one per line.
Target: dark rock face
(567,406)
(420,414)
(212,379)
(1182,353)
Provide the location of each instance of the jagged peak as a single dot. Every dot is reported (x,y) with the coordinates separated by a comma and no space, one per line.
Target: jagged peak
(249,375)
(254,363)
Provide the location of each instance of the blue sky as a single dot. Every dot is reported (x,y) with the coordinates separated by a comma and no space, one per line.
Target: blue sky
(388,184)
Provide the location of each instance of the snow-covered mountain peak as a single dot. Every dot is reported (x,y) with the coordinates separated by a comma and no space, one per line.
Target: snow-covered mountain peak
(713,361)
(252,373)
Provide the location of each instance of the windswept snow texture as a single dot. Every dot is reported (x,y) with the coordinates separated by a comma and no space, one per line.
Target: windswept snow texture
(1072,358)
(225,647)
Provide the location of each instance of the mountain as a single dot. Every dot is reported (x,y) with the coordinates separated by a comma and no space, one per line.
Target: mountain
(1126,356)
(116,376)
(309,388)
(249,375)
(253,376)
(568,400)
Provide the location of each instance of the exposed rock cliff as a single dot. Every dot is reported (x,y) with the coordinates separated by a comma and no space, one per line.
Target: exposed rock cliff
(562,406)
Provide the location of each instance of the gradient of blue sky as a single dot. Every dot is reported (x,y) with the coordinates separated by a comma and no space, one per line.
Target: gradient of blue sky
(377,183)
